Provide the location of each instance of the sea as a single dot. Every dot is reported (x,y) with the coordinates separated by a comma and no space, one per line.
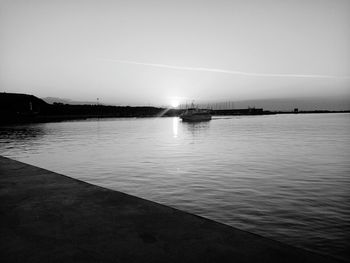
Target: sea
(284,176)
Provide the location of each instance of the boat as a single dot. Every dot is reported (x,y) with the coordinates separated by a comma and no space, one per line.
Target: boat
(194,114)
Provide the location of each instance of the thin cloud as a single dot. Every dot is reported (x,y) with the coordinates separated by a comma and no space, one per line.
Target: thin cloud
(225,71)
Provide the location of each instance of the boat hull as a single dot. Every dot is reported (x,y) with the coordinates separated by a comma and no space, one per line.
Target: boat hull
(196,118)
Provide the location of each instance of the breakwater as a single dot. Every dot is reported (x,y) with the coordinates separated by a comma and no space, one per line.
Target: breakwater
(48,217)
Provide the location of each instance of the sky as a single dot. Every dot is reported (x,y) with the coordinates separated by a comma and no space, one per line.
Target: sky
(157,52)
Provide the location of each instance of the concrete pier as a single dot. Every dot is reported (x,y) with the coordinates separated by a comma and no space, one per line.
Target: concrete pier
(48,217)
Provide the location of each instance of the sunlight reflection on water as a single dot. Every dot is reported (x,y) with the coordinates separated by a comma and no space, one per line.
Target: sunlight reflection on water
(175,126)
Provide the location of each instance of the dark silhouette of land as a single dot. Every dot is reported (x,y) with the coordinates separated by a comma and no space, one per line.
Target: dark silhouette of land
(24,108)
(18,108)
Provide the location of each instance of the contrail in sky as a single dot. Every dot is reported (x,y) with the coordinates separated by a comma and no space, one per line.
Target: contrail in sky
(233,72)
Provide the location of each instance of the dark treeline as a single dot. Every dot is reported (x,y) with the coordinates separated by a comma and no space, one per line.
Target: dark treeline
(17,108)
(103,111)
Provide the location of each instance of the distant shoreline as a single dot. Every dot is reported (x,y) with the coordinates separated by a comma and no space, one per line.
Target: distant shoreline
(23,108)
(24,119)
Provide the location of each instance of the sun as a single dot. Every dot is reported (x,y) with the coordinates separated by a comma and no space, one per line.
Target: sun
(175,103)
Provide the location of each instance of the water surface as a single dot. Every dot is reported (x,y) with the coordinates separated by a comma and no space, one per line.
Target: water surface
(286,177)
